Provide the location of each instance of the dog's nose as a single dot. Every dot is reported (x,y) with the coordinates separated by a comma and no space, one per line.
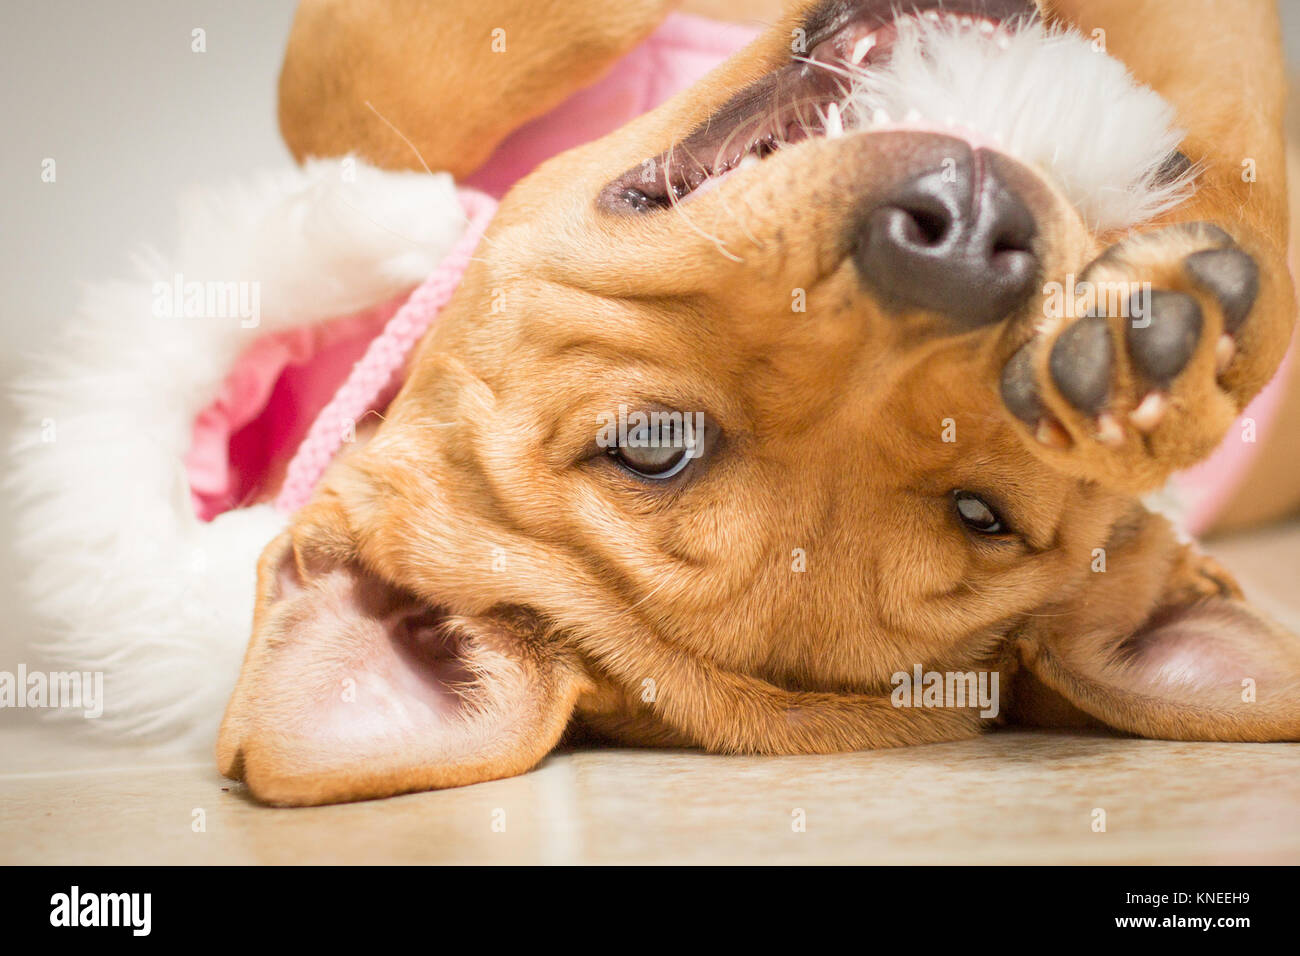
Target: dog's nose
(954,240)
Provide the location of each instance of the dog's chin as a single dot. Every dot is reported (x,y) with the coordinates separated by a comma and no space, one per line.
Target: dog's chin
(984,71)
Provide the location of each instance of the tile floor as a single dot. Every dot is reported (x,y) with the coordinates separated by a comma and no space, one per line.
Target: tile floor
(1012,797)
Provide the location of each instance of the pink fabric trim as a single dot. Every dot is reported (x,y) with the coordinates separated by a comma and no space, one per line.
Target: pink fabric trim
(263,408)
(384,358)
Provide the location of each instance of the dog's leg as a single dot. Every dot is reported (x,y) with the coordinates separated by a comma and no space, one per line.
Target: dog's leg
(1271,489)
(1151,382)
(1222,67)
(452,77)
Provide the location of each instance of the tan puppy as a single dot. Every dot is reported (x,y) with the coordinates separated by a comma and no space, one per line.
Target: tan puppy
(491,569)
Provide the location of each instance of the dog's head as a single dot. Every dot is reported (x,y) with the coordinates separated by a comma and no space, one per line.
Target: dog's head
(711,443)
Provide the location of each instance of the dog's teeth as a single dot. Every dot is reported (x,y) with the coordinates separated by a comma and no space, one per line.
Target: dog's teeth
(1225,350)
(966,22)
(1149,412)
(880,118)
(1051,434)
(1004,42)
(913,116)
(932,16)
(862,48)
(1109,430)
(987,28)
(834,125)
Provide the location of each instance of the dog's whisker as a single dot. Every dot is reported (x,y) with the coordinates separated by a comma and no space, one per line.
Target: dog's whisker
(727,206)
(405,139)
(740,221)
(402,136)
(384,418)
(844,69)
(725,146)
(675,202)
(375,222)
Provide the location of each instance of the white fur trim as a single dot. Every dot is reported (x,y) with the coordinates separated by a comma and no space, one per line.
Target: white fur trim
(1044,96)
(126,578)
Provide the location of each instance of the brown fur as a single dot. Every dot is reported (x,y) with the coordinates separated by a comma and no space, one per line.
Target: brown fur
(672,615)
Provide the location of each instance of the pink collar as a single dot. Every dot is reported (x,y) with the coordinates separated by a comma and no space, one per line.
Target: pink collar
(384,358)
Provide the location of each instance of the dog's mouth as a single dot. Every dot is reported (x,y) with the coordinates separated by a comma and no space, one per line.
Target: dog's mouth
(810,96)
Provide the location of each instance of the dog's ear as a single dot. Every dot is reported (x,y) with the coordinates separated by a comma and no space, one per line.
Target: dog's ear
(1198,663)
(352,688)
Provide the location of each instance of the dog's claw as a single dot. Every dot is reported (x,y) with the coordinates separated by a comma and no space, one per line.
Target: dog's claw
(1051,434)
(1149,413)
(1109,431)
(1225,350)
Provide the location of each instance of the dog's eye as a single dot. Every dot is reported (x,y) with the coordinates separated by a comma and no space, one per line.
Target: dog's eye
(976,514)
(659,445)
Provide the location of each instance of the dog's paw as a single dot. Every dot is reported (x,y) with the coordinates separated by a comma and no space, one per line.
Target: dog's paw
(1133,381)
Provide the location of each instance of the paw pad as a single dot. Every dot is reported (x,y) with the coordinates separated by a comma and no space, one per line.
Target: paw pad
(1082,362)
(1162,341)
(1019,390)
(1114,379)
(1232,277)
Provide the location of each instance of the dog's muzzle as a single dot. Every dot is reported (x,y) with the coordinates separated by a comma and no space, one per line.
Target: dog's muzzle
(954,240)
